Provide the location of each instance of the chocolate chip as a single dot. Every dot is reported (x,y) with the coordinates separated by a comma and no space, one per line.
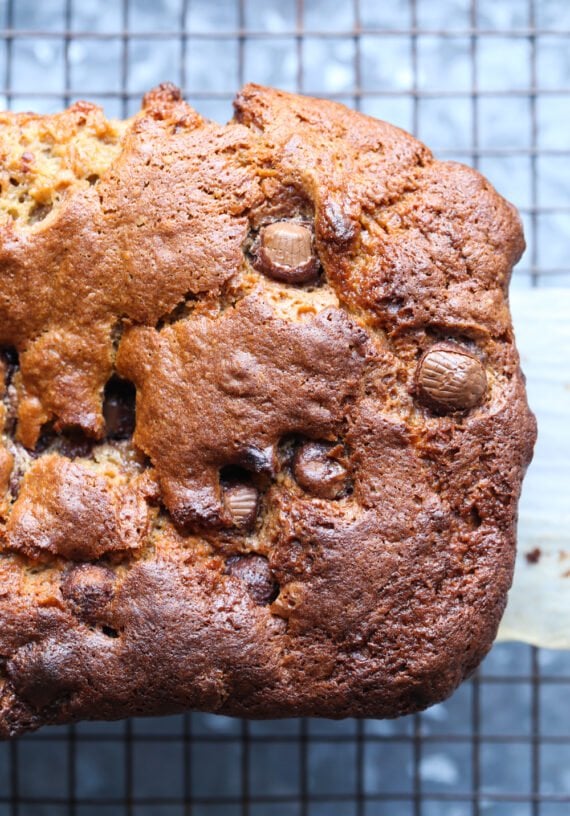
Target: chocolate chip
(241,500)
(286,253)
(42,673)
(75,445)
(258,461)
(72,443)
(9,355)
(450,379)
(256,574)
(119,408)
(88,588)
(318,471)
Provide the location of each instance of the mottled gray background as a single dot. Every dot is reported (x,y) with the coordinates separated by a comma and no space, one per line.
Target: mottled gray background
(487,83)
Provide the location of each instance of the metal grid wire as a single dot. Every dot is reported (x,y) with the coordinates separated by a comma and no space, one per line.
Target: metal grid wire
(501,745)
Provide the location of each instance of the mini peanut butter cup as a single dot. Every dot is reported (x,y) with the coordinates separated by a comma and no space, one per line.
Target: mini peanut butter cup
(286,253)
(450,379)
(241,501)
(317,471)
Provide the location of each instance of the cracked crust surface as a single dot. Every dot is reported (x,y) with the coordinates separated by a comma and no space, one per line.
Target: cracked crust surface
(127,271)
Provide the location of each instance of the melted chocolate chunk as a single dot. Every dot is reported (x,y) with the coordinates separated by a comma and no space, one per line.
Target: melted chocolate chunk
(88,588)
(255,573)
(9,356)
(119,408)
(71,443)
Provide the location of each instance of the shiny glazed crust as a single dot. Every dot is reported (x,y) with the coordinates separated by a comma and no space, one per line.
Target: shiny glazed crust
(126,257)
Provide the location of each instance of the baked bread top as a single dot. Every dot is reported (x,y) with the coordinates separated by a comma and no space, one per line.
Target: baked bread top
(264,425)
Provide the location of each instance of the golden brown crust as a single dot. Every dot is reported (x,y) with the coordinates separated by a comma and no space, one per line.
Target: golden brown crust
(218,391)
(65,508)
(129,584)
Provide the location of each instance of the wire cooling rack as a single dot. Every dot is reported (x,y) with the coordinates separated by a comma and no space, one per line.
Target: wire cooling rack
(487,83)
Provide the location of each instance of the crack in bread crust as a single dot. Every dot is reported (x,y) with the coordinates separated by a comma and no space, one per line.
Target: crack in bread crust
(161,546)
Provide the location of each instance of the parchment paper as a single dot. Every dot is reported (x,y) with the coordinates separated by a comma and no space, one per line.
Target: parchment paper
(538,610)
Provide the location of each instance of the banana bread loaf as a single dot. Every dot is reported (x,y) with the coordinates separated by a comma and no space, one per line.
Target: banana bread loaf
(263,421)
